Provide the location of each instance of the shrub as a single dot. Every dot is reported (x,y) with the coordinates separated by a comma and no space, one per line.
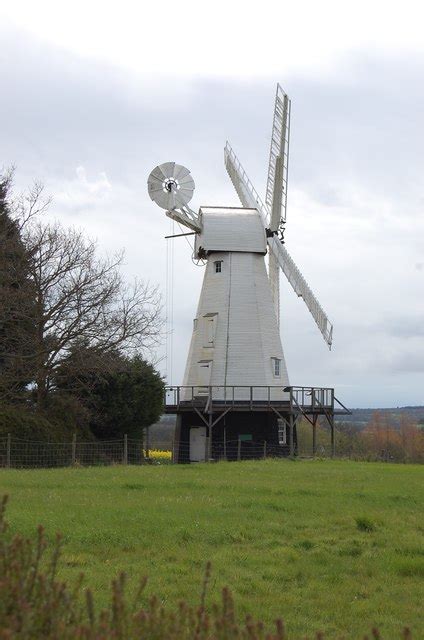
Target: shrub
(69,416)
(23,423)
(61,419)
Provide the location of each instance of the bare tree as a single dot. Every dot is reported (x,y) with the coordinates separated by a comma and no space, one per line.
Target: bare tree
(29,204)
(80,297)
(76,297)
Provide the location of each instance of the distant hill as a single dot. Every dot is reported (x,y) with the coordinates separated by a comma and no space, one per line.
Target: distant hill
(360,417)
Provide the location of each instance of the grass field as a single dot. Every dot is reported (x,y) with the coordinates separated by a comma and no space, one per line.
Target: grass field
(336,546)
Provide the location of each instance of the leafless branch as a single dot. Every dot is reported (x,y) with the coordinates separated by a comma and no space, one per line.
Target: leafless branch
(77,296)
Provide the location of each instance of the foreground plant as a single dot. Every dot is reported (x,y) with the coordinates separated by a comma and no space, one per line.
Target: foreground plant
(34,603)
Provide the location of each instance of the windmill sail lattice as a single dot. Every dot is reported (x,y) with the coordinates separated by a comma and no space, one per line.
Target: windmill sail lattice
(301,288)
(245,190)
(276,186)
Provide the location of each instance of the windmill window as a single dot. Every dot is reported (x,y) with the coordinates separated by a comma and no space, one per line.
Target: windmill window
(204,374)
(218,266)
(194,324)
(282,432)
(209,323)
(276,367)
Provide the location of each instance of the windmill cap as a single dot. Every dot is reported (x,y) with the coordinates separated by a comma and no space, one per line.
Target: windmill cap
(231,229)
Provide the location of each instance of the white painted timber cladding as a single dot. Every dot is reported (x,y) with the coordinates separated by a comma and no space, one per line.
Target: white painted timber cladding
(246,335)
(231,229)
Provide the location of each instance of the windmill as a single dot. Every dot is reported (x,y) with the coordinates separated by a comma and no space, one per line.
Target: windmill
(236,383)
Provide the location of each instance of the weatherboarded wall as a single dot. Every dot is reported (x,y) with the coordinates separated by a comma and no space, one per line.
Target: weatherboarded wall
(235,334)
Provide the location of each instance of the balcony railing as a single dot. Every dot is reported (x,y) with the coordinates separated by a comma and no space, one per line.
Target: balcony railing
(248,397)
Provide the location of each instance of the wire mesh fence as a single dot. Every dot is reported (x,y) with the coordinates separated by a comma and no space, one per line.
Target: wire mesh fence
(21,454)
(239,449)
(26,454)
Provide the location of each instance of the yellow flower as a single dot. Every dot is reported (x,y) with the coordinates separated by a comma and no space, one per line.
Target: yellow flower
(159,454)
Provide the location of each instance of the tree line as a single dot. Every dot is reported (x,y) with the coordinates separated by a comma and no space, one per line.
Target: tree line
(380,439)
(75,337)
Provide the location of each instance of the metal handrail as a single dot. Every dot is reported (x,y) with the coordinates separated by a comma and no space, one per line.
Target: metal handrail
(198,395)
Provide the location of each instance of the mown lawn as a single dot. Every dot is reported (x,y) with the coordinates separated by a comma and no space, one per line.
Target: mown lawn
(336,546)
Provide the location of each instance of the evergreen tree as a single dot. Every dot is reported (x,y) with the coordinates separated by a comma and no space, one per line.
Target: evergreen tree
(128,401)
(17,329)
(122,395)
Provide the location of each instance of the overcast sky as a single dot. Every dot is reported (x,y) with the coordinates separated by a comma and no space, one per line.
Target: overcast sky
(93,97)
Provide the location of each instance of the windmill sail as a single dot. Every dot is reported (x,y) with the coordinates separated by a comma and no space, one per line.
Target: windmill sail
(246,192)
(276,187)
(301,288)
(273,211)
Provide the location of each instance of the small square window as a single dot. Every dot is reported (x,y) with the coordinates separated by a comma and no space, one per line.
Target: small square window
(218,266)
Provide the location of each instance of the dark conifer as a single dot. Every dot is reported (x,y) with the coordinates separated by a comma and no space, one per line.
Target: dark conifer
(16,303)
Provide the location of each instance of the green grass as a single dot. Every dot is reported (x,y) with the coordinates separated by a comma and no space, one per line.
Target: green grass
(333,545)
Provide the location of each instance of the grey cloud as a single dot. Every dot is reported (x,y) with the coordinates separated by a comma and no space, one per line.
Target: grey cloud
(412,362)
(405,327)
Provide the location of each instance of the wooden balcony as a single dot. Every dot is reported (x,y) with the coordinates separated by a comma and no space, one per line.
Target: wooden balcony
(292,400)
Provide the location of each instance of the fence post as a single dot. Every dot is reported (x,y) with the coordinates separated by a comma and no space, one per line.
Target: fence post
(209,447)
(239,449)
(74,449)
(125,459)
(173,451)
(147,442)
(8,449)
(264,449)
(225,443)
(291,435)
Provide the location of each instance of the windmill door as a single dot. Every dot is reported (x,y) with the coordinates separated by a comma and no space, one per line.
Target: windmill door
(197,444)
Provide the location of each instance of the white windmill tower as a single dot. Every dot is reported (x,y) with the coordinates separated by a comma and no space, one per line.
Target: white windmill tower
(236,383)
